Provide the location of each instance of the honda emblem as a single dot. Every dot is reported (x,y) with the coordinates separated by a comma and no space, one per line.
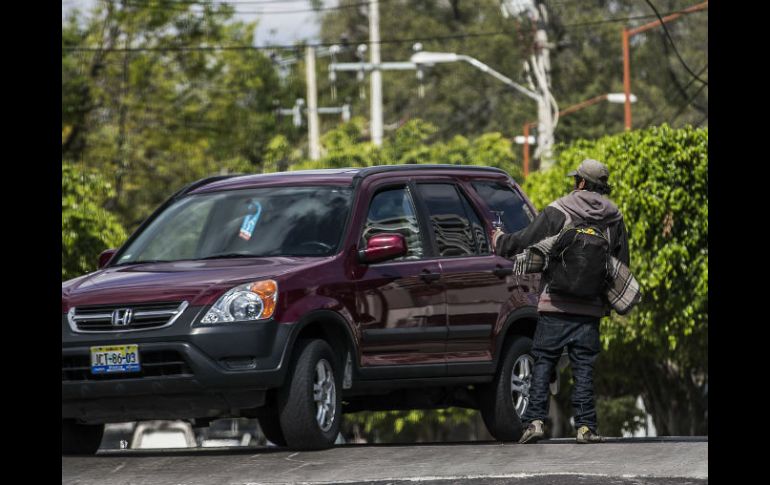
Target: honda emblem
(121,317)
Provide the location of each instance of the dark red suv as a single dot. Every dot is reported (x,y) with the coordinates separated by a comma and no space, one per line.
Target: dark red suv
(297,297)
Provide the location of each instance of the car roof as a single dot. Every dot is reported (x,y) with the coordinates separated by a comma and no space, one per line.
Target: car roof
(333,176)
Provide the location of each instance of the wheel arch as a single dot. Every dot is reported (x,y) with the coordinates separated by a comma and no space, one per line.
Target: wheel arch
(331,327)
(521,322)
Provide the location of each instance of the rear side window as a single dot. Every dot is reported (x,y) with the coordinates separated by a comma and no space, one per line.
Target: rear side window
(500,197)
(392,211)
(456,226)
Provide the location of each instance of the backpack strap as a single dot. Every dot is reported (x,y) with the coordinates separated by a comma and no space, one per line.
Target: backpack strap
(567,217)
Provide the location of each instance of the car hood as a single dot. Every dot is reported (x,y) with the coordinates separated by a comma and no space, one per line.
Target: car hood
(198,282)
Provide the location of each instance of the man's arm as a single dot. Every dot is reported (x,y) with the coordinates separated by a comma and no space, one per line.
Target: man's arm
(547,223)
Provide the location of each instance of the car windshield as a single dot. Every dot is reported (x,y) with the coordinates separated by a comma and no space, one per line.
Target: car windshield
(275,221)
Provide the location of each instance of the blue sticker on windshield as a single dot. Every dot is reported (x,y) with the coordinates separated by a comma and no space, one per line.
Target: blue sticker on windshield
(250,221)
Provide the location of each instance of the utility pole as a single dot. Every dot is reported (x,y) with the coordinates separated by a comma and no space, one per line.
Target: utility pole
(540,63)
(374,40)
(538,70)
(296,111)
(314,137)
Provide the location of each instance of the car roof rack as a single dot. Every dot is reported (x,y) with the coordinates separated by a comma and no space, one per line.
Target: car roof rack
(204,181)
(366,171)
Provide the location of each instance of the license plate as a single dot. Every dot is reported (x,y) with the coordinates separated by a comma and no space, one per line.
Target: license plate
(115,358)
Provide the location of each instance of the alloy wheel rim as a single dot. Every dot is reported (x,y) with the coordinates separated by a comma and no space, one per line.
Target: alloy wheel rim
(324,395)
(521,379)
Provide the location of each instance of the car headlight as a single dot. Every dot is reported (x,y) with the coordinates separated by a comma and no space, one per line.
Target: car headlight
(252,301)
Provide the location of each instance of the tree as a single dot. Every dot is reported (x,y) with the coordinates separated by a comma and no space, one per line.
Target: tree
(86,227)
(414,142)
(152,107)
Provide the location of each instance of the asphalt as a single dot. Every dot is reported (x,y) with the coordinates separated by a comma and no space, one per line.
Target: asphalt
(655,461)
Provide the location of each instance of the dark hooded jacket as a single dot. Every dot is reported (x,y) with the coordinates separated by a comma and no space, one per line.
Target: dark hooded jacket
(577,205)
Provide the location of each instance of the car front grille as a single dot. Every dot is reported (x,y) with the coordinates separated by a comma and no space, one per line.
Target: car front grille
(154,363)
(124,318)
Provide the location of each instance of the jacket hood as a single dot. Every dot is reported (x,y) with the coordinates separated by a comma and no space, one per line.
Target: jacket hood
(589,206)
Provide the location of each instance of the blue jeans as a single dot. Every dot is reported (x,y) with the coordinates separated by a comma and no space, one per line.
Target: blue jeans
(580,334)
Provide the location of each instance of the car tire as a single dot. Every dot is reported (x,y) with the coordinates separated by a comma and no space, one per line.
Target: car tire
(311,420)
(270,425)
(80,439)
(497,400)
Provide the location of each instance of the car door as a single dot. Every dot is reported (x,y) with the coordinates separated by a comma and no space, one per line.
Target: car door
(516,215)
(400,303)
(474,279)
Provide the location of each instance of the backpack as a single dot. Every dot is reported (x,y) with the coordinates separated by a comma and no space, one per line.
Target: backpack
(579,261)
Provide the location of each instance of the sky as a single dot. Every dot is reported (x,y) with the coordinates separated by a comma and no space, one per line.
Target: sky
(271,29)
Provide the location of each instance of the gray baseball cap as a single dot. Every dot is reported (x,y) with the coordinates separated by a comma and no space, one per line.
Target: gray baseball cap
(593,171)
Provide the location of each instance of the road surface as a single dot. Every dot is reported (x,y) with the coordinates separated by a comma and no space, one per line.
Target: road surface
(643,461)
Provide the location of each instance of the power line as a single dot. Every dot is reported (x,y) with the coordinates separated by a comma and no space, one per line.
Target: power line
(665,29)
(221,2)
(656,116)
(688,103)
(329,44)
(185,7)
(283,46)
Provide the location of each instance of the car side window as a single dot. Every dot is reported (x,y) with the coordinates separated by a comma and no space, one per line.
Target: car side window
(479,234)
(392,211)
(500,197)
(457,228)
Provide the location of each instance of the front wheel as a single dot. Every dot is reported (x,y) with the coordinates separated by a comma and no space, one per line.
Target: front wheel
(270,425)
(80,439)
(310,403)
(504,400)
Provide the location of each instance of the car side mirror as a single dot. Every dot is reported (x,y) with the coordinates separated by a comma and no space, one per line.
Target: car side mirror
(106,256)
(381,247)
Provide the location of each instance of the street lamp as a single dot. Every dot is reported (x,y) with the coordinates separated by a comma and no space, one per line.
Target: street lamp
(620,98)
(430,58)
(547,108)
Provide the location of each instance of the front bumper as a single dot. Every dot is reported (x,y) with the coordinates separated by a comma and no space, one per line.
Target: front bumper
(187,371)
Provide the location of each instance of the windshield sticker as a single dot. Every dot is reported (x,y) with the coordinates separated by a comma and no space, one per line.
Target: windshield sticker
(250,221)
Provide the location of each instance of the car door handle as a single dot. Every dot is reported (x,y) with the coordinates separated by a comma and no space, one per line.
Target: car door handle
(429,277)
(501,272)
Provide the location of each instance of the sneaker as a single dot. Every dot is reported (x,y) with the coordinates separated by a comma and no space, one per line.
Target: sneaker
(585,435)
(533,432)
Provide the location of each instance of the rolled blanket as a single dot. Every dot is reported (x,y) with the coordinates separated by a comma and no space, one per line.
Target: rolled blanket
(534,259)
(623,291)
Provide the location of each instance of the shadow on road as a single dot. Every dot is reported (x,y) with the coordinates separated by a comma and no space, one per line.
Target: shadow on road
(238,450)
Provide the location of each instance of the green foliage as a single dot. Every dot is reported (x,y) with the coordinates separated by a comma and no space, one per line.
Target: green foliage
(619,415)
(416,425)
(412,143)
(87,229)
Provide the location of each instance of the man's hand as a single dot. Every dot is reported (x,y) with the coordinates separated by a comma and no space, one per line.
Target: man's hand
(495,236)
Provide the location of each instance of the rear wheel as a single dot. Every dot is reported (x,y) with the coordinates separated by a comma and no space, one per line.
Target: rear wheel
(80,439)
(504,400)
(310,406)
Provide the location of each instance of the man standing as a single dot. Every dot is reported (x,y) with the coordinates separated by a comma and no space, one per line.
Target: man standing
(566,319)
